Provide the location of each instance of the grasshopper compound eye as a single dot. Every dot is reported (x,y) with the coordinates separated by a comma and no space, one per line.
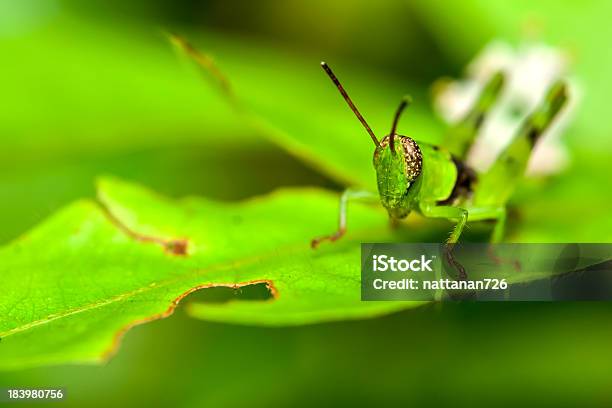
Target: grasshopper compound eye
(409,158)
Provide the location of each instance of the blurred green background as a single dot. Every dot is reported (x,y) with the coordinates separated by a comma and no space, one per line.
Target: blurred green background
(93,87)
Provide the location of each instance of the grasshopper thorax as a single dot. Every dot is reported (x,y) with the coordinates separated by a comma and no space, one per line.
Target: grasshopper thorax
(397,171)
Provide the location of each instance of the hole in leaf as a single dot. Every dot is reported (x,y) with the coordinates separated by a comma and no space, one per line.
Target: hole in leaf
(222,294)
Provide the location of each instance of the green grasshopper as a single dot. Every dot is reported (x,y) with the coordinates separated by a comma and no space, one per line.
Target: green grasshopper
(433,180)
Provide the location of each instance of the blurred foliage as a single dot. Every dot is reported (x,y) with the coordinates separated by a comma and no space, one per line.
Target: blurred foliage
(386,33)
(578,28)
(544,354)
(92,87)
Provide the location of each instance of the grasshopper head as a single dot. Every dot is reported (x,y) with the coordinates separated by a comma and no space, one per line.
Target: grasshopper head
(398,164)
(397,159)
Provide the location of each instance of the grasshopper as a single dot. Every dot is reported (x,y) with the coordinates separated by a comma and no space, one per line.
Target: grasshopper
(434,181)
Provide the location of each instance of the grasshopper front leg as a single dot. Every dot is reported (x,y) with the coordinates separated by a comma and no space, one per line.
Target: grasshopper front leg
(461,215)
(498,214)
(431,210)
(348,194)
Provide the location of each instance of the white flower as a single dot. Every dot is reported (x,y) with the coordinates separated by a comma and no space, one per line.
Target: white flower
(530,69)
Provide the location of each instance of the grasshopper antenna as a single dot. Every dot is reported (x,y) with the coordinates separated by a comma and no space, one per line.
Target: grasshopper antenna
(406,101)
(350,102)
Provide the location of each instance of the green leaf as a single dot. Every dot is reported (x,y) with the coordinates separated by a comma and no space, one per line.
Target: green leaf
(83,100)
(79,88)
(141,86)
(73,285)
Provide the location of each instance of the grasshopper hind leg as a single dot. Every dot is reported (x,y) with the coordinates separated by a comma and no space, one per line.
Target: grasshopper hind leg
(497,184)
(461,136)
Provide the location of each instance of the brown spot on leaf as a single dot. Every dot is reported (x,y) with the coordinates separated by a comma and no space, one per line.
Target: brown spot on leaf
(176,246)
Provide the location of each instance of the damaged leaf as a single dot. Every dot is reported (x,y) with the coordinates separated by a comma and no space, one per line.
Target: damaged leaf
(76,283)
